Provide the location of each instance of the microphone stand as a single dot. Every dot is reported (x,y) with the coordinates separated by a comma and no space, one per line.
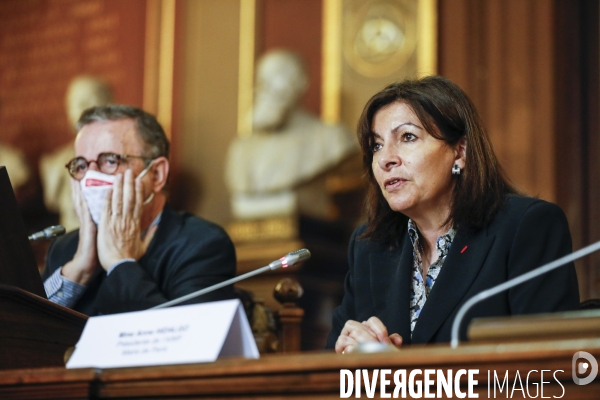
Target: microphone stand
(514,282)
(284,262)
(211,288)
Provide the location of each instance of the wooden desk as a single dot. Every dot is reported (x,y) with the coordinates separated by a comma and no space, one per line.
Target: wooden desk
(309,375)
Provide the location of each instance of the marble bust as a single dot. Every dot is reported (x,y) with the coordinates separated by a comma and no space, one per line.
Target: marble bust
(267,170)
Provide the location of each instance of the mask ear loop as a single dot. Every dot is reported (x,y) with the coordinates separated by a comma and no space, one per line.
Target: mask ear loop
(149,199)
(140,176)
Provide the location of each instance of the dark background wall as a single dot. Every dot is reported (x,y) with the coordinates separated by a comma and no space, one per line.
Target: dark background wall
(531,68)
(44,44)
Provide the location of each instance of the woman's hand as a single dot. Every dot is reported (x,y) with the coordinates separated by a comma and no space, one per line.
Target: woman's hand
(372,330)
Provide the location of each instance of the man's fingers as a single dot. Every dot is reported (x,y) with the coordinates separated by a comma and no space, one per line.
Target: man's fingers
(117,195)
(139,199)
(78,200)
(75,190)
(106,208)
(129,193)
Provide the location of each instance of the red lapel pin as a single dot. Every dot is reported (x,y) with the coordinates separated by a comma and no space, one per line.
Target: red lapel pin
(464,249)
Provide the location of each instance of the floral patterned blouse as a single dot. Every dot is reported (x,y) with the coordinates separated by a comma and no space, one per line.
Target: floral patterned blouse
(420,290)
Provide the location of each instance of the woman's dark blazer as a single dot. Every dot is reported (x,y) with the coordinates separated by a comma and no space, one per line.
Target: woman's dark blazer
(525,234)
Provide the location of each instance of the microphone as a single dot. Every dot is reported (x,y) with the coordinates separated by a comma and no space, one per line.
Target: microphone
(288,260)
(514,282)
(48,233)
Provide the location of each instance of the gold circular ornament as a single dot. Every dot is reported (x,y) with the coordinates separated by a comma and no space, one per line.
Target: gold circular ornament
(380,36)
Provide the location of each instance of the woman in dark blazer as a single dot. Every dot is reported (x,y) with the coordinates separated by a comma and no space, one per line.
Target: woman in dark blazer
(444,223)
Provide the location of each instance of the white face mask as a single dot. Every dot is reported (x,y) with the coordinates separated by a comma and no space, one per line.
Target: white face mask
(94,186)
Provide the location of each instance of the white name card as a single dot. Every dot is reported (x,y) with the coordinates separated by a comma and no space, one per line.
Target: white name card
(179,335)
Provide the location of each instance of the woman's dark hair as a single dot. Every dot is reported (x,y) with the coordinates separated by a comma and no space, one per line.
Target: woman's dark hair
(447,114)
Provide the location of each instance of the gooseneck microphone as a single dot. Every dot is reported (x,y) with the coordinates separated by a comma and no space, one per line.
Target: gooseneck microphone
(48,233)
(514,282)
(288,260)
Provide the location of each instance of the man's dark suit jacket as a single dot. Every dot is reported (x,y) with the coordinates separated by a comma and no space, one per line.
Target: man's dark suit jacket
(525,234)
(186,254)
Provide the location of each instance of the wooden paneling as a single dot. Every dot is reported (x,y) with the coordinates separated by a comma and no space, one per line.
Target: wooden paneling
(44,44)
(498,52)
(592,144)
(531,68)
(577,126)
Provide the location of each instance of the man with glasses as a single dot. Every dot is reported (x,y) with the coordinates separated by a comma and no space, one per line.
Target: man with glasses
(132,251)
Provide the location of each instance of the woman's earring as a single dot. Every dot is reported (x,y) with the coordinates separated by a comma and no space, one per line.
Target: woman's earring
(455,170)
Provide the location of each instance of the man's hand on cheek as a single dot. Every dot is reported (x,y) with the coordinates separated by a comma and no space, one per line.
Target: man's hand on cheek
(84,264)
(119,232)
(80,205)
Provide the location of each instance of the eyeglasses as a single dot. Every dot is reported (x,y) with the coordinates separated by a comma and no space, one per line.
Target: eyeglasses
(107,163)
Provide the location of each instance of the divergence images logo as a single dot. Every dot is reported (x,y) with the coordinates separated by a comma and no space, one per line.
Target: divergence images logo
(580,367)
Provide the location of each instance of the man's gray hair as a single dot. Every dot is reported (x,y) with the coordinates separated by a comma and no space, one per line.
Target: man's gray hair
(152,134)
